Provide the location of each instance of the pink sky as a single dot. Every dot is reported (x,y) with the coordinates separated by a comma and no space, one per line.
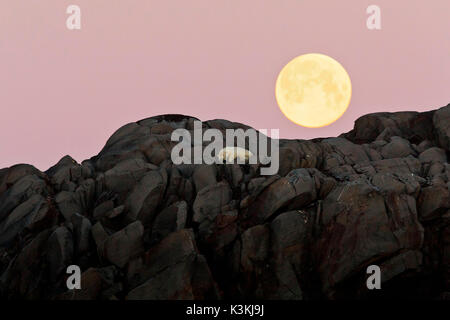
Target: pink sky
(65,92)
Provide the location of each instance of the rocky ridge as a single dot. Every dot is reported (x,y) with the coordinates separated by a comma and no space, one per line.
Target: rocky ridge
(141,227)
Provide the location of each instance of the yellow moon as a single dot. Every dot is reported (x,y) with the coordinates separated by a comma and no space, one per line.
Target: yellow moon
(313,90)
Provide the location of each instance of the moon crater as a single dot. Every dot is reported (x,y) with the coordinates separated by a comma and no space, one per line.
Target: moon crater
(313,90)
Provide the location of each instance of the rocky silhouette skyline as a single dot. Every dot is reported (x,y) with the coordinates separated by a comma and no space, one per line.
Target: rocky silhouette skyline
(140,227)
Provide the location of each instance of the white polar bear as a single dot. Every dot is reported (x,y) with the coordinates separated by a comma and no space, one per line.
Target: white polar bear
(229,154)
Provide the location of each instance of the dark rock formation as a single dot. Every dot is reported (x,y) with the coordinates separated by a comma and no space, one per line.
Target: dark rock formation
(140,227)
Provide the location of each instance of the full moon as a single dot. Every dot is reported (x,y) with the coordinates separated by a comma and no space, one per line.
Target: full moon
(313,90)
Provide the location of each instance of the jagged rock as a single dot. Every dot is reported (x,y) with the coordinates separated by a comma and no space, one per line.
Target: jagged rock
(298,154)
(157,149)
(141,227)
(173,269)
(397,148)
(270,257)
(349,152)
(222,231)
(424,145)
(81,235)
(374,154)
(103,209)
(215,214)
(412,126)
(255,246)
(115,212)
(85,194)
(65,174)
(288,242)
(171,219)
(179,186)
(203,176)
(146,196)
(59,252)
(26,276)
(100,236)
(123,144)
(187,280)
(298,187)
(209,203)
(405,166)
(22,190)
(433,155)
(96,283)
(25,215)
(407,261)
(125,244)
(255,187)
(441,121)
(124,175)
(359,226)
(13,174)
(68,204)
(433,201)
(289,159)
(235,175)
(391,183)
